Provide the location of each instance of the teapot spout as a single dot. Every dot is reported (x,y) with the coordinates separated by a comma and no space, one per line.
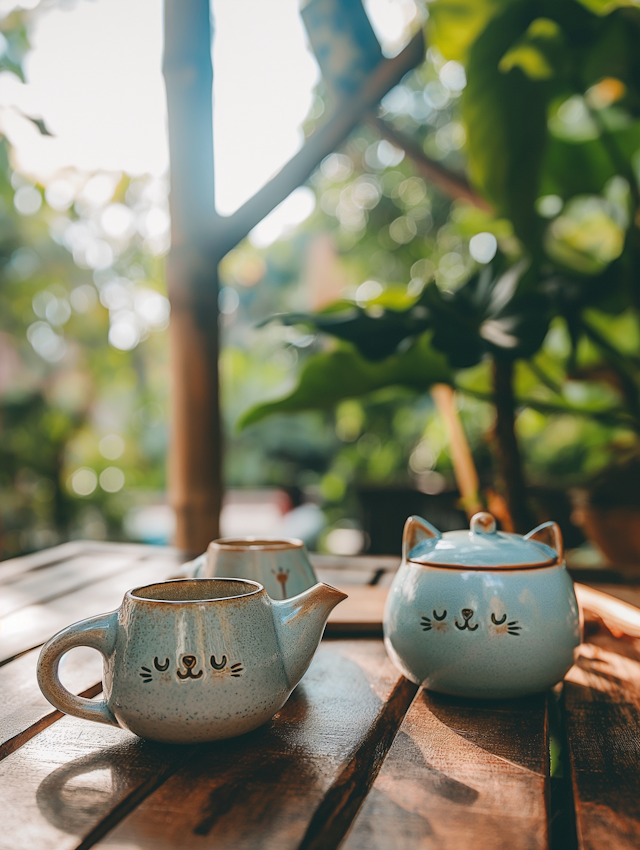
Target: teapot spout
(300,623)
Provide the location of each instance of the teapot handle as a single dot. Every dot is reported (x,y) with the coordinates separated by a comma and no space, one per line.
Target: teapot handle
(96,632)
(416,529)
(549,533)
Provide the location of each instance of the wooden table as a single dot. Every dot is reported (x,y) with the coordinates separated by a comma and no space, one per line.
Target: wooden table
(358,757)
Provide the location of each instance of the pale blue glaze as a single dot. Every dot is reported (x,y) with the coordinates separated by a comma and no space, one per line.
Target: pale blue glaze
(282,567)
(193,660)
(528,646)
(468,548)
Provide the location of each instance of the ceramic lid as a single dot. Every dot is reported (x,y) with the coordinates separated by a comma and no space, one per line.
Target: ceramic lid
(483,547)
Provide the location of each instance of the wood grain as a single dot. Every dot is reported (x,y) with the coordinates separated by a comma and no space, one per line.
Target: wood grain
(368,563)
(60,579)
(23,709)
(63,783)
(361,613)
(461,774)
(602,710)
(34,624)
(338,576)
(269,788)
(37,561)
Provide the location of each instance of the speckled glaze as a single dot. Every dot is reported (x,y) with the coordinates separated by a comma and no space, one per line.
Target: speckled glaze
(484,627)
(281,566)
(194,659)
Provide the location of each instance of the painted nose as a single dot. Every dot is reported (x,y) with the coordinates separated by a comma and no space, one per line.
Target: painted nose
(190,660)
(467,613)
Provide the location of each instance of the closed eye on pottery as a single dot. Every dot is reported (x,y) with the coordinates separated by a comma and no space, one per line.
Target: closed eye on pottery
(442,616)
(498,622)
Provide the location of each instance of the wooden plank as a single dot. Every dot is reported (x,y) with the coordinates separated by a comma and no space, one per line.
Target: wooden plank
(624,592)
(33,625)
(602,709)
(359,614)
(461,773)
(23,709)
(45,558)
(367,563)
(37,560)
(60,579)
(345,577)
(299,780)
(65,781)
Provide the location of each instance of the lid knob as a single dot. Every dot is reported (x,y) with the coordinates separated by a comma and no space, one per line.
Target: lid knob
(483,523)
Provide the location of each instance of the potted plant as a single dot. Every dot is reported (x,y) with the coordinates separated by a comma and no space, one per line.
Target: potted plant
(550,111)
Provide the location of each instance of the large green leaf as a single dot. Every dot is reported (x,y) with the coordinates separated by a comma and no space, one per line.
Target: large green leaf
(538,52)
(605,7)
(454,25)
(506,116)
(498,310)
(612,52)
(376,332)
(572,168)
(330,377)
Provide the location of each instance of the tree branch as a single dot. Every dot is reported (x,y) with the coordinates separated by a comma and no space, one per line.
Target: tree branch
(347,115)
(453,185)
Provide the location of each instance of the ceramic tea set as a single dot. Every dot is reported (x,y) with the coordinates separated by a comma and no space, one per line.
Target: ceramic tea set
(482,613)
(477,613)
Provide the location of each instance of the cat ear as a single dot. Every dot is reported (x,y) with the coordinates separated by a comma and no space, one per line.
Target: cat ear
(550,534)
(416,530)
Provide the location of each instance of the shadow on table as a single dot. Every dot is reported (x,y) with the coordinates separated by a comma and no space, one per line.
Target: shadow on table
(80,795)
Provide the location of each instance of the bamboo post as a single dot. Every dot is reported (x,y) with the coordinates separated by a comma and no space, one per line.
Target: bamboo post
(200,238)
(195,466)
(464,467)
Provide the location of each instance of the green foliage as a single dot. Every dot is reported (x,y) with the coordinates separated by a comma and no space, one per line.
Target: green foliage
(505,113)
(454,25)
(77,397)
(374,331)
(550,115)
(333,376)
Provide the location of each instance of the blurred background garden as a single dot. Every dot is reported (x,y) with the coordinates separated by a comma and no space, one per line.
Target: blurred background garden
(479,230)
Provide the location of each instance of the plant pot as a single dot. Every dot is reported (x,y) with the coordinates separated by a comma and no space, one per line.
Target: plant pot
(615,531)
(385,511)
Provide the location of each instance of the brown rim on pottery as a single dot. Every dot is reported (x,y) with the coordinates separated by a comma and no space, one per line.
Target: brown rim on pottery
(195,590)
(263,544)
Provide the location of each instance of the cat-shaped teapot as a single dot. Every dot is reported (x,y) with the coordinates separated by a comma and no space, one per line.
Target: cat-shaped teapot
(482,613)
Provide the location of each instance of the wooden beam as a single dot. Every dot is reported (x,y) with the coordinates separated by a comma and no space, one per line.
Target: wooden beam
(346,116)
(195,467)
(450,184)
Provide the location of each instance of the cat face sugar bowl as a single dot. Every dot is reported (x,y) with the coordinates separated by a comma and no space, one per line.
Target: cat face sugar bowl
(482,613)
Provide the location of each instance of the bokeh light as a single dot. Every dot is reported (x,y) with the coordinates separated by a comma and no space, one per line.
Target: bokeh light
(46,342)
(111,446)
(27,200)
(483,247)
(112,479)
(84,481)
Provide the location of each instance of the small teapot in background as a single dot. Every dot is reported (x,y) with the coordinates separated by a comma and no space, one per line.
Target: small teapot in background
(280,565)
(482,613)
